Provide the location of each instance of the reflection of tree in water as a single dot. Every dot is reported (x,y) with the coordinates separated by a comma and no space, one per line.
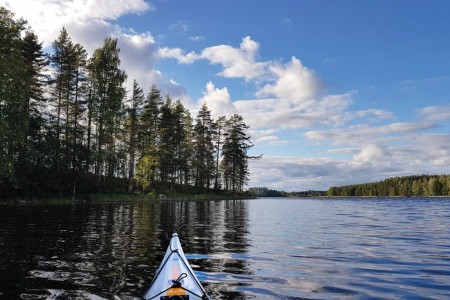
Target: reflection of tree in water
(89,249)
(128,244)
(114,249)
(217,229)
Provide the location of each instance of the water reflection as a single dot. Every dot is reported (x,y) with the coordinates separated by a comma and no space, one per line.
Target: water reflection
(109,250)
(256,249)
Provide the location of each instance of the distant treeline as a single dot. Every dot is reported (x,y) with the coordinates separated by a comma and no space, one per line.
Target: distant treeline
(68,125)
(408,186)
(265,192)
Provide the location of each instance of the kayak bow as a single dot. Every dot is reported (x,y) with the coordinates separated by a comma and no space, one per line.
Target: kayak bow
(175,279)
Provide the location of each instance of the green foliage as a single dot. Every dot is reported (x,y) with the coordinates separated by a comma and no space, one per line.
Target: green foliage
(72,132)
(108,95)
(234,152)
(265,192)
(204,148)
(407,186)
(15,89)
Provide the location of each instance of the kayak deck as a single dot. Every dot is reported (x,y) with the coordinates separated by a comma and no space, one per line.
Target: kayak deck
(175,279)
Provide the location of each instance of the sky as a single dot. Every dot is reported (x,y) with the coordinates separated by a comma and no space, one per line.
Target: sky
(335,92)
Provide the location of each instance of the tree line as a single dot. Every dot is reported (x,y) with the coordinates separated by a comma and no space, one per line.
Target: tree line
(266,192)
(68,125)
(407,186)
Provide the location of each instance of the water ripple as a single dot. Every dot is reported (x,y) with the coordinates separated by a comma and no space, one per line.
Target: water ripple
(257,249)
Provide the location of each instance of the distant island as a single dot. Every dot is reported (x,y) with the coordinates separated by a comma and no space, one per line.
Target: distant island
(406,186)
(266,192)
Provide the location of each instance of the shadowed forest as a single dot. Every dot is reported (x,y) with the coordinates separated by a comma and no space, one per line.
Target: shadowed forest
(407,186)
(68,126)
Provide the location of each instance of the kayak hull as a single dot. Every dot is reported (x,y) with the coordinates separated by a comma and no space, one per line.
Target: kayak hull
(175,279)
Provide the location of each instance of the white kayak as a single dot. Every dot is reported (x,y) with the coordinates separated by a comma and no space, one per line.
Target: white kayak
(175,279)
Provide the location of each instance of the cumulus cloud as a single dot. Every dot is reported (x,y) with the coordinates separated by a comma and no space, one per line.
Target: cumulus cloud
(292,100)
(291,96)
(372,154)
(297,173)
(178,54)
(372,162)
(47,17)
(236,62)
(288,96)
(295,84)
(218,101)
(378,152)
(240,63)
(89,22)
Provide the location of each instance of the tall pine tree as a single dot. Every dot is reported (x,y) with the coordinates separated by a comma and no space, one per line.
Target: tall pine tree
(204,148)
(234,154)
(107,102)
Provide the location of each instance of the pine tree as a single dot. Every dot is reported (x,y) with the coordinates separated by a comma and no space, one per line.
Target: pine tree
(150,119)
(148,142)
(107,102)
(204,149)
(180,132)
(234,154)
(187,150)
(134,112)
(14,95)
(36,64)
(77,108)
(218,139)
(68,63)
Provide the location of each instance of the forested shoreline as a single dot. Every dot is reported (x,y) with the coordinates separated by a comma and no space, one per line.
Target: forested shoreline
(406,186)
(68,126)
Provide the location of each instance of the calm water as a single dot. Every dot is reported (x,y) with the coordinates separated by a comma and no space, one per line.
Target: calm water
(251,249)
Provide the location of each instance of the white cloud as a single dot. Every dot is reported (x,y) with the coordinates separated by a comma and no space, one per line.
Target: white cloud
(396,149)
(178,54)
(239,62)
(295,84)
(292,97)
(296,173)
(267,136)
(88,22)
(435,113)
(218,101)
(363,133)
(296,101)
(47,17)
(425,154)
(372,154)
(275,113)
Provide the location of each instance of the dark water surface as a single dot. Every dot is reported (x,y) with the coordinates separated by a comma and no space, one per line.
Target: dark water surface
(244,249)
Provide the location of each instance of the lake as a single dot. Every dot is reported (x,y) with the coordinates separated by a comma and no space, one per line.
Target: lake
(269,248)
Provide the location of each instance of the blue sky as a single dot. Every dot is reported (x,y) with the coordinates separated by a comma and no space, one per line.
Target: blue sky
(335,92)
